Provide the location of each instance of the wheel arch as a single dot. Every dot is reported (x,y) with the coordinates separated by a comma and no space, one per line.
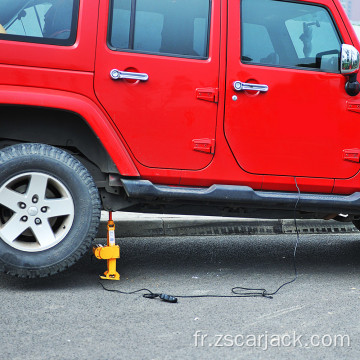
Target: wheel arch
(66,120)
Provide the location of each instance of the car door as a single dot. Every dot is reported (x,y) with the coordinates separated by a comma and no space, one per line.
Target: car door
(156,74)
(297,123)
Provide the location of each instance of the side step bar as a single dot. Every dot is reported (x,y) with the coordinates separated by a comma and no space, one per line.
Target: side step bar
(243,195)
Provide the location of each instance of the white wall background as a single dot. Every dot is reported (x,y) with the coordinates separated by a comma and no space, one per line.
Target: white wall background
(357,30)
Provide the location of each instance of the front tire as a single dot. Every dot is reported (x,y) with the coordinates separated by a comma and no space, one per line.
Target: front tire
(49,210)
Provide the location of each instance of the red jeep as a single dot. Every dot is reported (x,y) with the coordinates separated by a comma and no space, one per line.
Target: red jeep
(212,107)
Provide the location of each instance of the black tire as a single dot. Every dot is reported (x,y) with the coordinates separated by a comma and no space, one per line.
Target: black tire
(49,210)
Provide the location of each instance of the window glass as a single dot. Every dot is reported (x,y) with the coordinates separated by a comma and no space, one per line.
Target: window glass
(44,21)
(200,35)
(171,27)
(120,20)
(290,35)
(148,28)
(250,43)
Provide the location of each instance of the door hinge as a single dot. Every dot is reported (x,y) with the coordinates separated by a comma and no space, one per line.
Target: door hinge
(208,94)
(204,145)
(351,155)
(353,106)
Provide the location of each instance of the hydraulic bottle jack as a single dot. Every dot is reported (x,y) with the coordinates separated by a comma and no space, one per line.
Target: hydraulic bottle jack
(111,252)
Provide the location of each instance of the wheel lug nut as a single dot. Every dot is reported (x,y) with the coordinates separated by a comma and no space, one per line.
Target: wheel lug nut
(22,205)
(35,199)
(24,218)
(44,209)
(37,221)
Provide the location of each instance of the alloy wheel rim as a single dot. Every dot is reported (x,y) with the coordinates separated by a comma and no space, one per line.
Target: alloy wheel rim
(36,211)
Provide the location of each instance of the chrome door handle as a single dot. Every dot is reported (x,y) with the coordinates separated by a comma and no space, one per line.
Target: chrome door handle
(240,86)
(117,74)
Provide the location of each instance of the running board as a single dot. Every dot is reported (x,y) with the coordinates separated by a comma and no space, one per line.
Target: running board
(238,196)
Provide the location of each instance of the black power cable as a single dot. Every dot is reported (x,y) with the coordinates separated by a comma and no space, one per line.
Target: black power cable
(238,291)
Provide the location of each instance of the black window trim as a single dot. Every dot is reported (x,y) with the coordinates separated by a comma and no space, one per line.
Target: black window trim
(326,8)
(50,41)
(132,33)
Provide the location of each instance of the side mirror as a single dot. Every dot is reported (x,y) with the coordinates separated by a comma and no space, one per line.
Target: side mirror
(349,60)
(350,63)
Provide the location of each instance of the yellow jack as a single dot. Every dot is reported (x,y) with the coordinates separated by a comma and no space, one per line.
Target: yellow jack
(111,252)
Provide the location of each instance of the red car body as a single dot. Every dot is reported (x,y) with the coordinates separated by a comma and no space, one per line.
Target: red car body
(156,141)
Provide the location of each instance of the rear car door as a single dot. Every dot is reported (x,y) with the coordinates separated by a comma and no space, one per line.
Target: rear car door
(156,74)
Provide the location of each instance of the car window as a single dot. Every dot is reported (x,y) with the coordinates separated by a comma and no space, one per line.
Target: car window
(44,21)
(179,28)
(250,43)
(289,34)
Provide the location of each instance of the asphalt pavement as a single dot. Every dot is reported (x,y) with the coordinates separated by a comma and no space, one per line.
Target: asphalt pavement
(69,316)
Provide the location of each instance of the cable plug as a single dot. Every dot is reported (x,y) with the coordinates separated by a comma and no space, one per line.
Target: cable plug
(164,297)
(168,298)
